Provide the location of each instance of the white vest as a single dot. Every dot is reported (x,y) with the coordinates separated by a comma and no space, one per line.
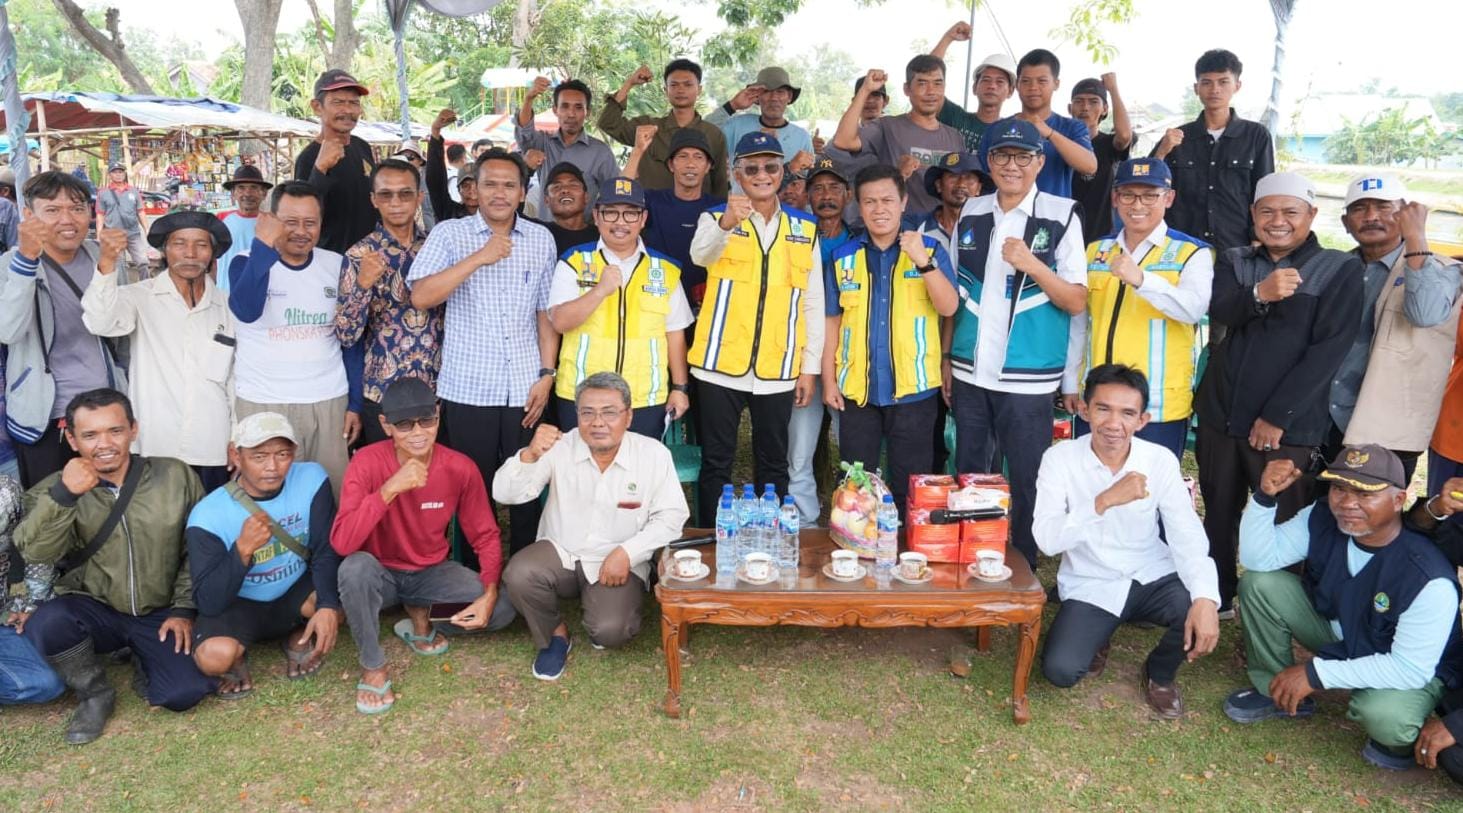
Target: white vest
(290,355)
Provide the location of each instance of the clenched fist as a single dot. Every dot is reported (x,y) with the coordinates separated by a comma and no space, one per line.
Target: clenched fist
(1278,476)
(331,151)
(874,80)
(534,159)
(411,475)
(1018,255)
(79,476)
(445,117)
(113,243)
(912,243)
(1126,270)
(540,85)
(544,439)
(34,233)
(738,208)
(1131,488)
(1281,284)
(1172,138)
(959,32)
(498,247)
(908,164)
(641,75)
(371,269)
(268,230)
(644,135)
(255,534)
(609,280)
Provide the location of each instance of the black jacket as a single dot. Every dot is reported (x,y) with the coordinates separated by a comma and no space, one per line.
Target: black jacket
(435,178)
(1276,361)
(348,214)
(1215,180)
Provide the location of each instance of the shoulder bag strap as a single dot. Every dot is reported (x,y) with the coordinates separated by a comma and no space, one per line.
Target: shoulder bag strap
(281,536)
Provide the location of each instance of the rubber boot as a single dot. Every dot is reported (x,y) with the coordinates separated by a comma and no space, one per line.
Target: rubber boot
(82,672)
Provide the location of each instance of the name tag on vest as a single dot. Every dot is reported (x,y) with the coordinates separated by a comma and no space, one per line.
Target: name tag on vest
(798,238)
(912,273)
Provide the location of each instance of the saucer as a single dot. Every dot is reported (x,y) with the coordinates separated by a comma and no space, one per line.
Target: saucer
(925,579)
(828,571)
(772,575)
(974,571)
(703,571)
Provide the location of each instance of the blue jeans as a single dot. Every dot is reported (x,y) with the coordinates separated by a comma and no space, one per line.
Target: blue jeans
(1172,435)
(24,675)
(803,432)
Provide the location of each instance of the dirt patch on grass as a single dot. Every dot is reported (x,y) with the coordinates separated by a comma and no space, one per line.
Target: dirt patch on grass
(837,790)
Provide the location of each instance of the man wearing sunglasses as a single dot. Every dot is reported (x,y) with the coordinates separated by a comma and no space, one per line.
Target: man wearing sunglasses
(759,341)
(399,496)
(375,308)
(1147,289)
(620,307)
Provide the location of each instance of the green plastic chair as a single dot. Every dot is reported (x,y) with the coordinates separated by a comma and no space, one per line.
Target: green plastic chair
(680,438)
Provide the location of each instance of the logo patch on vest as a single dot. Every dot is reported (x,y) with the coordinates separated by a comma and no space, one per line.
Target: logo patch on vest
(967,240)
(1042,241)
(657,274)
(1381,603)
(739,231)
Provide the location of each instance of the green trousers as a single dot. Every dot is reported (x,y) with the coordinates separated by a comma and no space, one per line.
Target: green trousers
(1276,611)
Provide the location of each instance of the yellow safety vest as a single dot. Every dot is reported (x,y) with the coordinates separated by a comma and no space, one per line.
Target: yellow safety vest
(626,333)
(752,316)
(1123,328)
(914,325)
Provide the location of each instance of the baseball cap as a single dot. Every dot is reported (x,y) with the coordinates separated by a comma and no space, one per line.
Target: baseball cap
(1143,171)
(621,190)
(408,398)
(408,150)
(824,163)
(1375,186)
(859,82)
(1286,183)
(773,78)
(337,79)
(247,173)
(960,162)
(689,138)
(1368,467)
(565,168)
(260,427)
(1090,87)
(157,234)
(117,168)
(1000,61)
(1013,132)
(758,143)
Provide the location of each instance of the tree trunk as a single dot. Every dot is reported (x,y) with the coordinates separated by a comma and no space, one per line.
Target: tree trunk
(524,22)
(1283,10)
(347,36)
(109,45)
(260,20)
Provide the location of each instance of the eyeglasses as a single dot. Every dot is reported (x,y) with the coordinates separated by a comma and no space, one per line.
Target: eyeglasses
(616,215)
(1021,159)
(402,195)
(1147,198)
(409,424)
(753,170)
(608,415)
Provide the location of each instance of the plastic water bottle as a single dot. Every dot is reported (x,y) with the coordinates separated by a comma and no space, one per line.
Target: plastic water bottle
(726,539)
(747,521)
(788,551)
(887,549)
(770,510)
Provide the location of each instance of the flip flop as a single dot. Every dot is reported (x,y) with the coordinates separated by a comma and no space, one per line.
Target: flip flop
(403,630)
(238,674)
(300,657)
(379,691)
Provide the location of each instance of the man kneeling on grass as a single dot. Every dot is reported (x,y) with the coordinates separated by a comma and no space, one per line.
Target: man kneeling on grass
(398,498)
(1099,502)
(263,568)
(614,500)
(1378,604)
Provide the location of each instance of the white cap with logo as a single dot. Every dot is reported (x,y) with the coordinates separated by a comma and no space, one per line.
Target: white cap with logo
(1375,186)
(260,427)
(1286,183)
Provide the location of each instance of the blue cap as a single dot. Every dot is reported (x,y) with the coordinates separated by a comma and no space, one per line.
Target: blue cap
(1013,132)
(1144,171)
(958,162)
(758,143)
(621,190)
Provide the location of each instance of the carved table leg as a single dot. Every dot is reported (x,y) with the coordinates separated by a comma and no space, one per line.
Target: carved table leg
(685,636)
(1025,655)
(982,639)
(670,635)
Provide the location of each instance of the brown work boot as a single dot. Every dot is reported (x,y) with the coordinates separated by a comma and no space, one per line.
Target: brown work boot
(1099,662)
(1164,698)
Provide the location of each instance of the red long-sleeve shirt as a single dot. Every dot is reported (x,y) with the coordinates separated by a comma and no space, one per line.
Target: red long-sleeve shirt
(411,532)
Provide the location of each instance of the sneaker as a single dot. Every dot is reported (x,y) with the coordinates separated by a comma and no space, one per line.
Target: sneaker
(596,645)
(1227,614)
(549,664)
(1391,759)
(1249,706)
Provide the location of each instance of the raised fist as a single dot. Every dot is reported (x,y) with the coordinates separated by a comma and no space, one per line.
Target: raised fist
(544,439)
(372,267)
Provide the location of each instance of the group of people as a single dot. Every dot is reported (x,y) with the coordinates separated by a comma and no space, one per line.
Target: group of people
(303,418)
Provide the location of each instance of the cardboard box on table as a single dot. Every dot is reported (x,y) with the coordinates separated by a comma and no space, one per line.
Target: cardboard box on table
(951,542)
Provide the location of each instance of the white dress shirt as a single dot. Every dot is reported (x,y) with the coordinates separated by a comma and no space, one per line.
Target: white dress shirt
(180,378)
(706,246)
(1102,555)
(636,503)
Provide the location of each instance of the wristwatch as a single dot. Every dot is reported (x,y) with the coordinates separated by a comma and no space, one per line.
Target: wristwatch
(681,388)
(926,268)
(547,371)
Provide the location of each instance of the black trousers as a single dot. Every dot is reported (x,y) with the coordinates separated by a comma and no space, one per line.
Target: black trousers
(46,456)
(1229,469)
(1021,424)
(863,430)
(491,435)
(721,414)
(1081,629)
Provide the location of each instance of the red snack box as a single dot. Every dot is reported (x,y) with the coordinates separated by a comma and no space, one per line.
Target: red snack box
(929,490)
(983,481)
(941,543)
(983,534)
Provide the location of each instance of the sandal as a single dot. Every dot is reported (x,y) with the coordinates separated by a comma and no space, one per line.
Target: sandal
(300,658)
(379,691)
(238,674)
(403,630)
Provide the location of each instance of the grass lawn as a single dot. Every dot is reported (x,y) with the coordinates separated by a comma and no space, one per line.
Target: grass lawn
(774,718)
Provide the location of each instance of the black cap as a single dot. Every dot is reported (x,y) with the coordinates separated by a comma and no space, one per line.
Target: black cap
(689,137)
(565,168)
(407,398)
(337,79)
(823,163)
(247,173)
(1367,468)
(1090,87)
(157,234)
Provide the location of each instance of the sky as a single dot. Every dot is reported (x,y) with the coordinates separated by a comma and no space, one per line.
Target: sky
(1334,45)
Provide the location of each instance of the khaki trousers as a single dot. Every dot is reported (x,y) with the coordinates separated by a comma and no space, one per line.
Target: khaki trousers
(536,580)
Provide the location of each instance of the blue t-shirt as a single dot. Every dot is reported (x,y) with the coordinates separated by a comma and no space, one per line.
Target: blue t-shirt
(881,359)
(1056,175)
(275,568)
(828,245)
(242,230)
(670,228)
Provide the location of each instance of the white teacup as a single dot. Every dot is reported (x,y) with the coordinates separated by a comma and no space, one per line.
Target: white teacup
(845,564)
(913,565)
(687,563)
(990,563)
(758,566)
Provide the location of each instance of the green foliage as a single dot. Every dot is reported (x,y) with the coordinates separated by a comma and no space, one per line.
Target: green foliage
(51,56)
(1388,139)
(1449,107)
(826,77)
(467,46)
(1085,26)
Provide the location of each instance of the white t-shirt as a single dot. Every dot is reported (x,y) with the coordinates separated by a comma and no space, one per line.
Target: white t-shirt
(290,355)
(565,286)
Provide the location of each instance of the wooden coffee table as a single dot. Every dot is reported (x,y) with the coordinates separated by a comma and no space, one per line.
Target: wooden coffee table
(953,598)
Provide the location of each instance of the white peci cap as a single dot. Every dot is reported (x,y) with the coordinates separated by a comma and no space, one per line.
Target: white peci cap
(1290,184)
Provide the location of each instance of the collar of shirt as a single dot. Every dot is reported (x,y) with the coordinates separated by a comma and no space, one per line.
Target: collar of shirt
(581,452)
(1230,130)
(480,226)
(626,263)
(1152,241)
(383,238)
(1294,259)
(162,285)
(1025,207)
(884,256)
(1386,261)
(584,138)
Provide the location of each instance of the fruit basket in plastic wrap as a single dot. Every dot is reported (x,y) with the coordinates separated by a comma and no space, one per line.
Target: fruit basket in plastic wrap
(853,522)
